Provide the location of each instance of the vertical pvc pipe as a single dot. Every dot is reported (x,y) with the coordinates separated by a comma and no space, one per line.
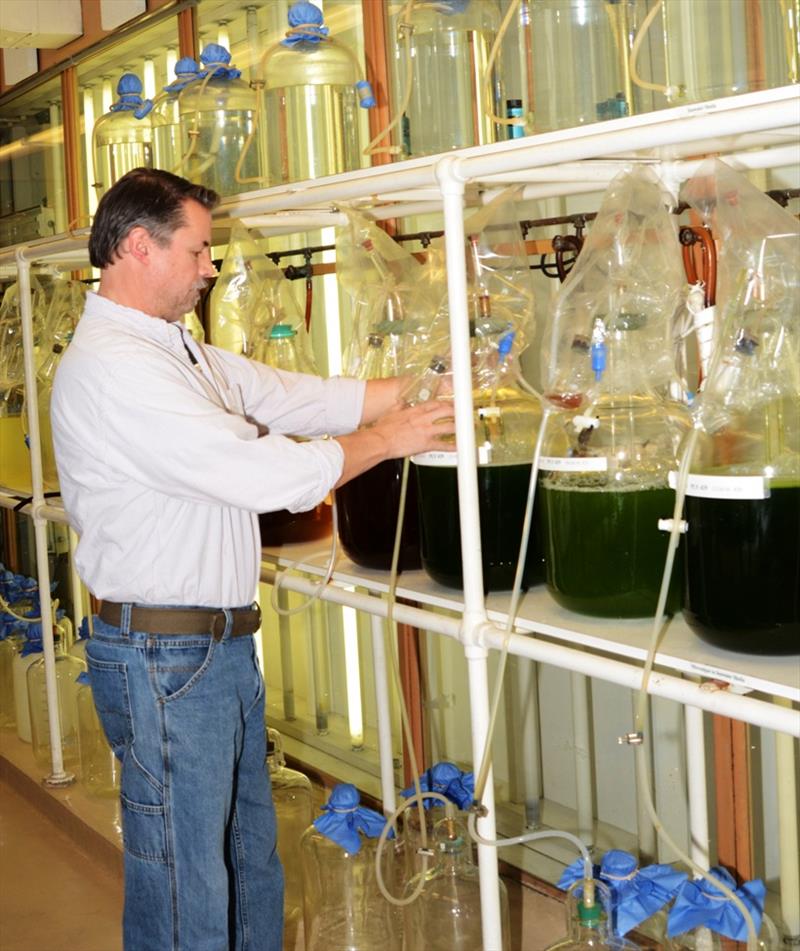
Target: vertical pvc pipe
(584,794)
(76,586)
(59,200)
(452,188)
(491,922)
(789,847)
(384,716)
(58,777)
(321,667)
(529,747)
(471,558)
(696,786)
(648,842)
(287,667)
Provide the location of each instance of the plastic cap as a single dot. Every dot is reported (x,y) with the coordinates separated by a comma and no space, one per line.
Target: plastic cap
(185,66)
(592,913)
(303,13)
(129,83)
(280,331)
(366,97)
(214,53)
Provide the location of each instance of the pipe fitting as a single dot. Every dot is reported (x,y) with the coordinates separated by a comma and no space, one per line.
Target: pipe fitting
(448,174)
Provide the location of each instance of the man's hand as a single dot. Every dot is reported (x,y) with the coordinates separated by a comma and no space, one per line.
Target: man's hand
(398,433)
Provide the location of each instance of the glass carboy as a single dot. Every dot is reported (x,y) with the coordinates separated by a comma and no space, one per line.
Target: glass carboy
(344,910)
(311,96)
(447,915)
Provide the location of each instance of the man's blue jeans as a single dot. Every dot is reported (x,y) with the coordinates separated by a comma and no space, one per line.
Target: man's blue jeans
(186,717)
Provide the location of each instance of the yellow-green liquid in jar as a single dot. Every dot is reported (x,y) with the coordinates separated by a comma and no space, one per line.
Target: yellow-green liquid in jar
(604,553)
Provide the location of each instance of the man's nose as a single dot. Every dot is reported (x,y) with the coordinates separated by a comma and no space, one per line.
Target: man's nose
(208,270)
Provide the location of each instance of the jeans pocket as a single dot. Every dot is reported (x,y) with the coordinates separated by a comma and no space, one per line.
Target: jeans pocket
(109,681)
(144,831)
(177,667)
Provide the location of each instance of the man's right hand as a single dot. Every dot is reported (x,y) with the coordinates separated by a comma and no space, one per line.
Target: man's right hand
(398,433)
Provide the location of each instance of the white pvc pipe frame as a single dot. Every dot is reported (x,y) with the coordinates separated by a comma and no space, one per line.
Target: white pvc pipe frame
(756,112)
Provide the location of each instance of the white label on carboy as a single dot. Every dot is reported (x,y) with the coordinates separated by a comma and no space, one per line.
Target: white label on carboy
(573,463)
(723,487)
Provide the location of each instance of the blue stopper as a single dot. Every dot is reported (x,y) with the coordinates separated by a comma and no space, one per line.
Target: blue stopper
(302,13)
(129,83)
(598,360)
(186,65)
(505,344)
(366,97)
(214,53)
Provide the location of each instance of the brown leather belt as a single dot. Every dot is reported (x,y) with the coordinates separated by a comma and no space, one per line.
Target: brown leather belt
(186,621)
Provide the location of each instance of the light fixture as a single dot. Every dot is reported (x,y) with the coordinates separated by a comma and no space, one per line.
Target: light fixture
(352,673)
(149,78)
(330,291)
(172,59)
(88,126)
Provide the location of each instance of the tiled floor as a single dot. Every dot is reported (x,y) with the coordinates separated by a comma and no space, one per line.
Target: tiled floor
(53,896)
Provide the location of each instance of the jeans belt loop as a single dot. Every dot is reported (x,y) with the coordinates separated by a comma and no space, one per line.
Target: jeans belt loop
(219,625)
(125,619)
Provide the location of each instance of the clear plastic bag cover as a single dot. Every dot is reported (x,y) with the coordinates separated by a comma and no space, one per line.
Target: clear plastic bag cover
(756,362)
(12,370)
(277,304)
(237,292)
(391,301)
(64,311)
(630,267)
(499,291)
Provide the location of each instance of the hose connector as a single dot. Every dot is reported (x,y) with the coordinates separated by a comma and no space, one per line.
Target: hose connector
(667,525)
(632,739)
(479,809)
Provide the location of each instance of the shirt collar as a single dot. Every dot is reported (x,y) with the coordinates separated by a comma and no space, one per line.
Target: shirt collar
(140,323)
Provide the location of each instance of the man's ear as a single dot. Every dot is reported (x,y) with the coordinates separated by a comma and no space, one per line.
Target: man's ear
(138,243)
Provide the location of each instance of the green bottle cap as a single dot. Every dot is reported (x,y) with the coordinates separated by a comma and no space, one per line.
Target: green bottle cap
(282,330)
(593,913)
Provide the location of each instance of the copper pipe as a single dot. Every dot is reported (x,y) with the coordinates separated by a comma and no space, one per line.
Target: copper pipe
(411,679)
(77,212)
(187,33)
(375,23)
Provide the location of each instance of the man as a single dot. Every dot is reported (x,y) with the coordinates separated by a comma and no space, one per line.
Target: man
(166,451)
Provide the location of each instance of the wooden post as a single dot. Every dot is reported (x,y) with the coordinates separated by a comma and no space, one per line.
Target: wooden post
(77,211)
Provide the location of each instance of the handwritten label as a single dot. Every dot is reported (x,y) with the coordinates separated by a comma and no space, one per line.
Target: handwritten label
(573,463)
(723,487)
(436,458)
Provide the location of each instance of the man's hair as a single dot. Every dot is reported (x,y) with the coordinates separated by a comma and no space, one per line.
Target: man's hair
(149,198)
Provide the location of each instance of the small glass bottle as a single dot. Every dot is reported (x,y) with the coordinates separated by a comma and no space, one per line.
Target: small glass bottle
(447,914)
(291,794)
(100,770)
(588,914)
(67,670)
(343,908)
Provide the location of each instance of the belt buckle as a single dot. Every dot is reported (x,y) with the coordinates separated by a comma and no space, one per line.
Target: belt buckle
(218,623)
